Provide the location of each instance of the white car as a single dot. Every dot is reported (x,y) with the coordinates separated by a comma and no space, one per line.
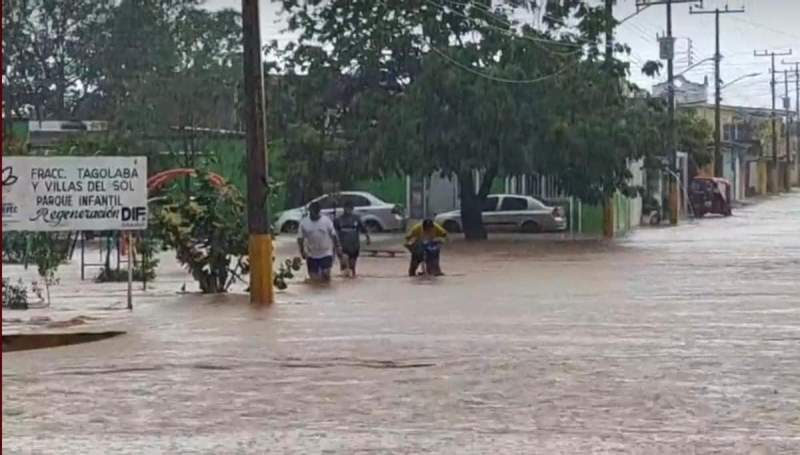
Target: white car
(376,214)
(511,212)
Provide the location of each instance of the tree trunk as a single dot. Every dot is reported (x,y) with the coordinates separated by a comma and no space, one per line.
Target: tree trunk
(471,208)
(472,216)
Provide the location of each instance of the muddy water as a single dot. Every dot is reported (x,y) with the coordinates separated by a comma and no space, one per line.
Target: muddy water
(673,341)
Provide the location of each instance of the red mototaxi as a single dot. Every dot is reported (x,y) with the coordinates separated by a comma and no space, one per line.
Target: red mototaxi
(710,195)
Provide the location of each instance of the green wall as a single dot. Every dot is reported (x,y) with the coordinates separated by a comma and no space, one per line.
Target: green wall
(390,189)
(592,219)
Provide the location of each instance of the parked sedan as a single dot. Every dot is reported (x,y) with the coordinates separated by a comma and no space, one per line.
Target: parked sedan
(511,212)
(376,214)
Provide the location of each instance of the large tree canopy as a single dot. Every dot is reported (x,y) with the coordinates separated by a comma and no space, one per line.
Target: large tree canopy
(50,55)
(463,89)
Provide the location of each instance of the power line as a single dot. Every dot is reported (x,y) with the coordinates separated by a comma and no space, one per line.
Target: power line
(505,22)
(490,77)
(766,27)
(508,31)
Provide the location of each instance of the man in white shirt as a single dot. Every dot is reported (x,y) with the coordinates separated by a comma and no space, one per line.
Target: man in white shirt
(317,240)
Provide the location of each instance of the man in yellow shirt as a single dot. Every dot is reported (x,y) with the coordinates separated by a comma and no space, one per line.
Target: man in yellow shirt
(424,241)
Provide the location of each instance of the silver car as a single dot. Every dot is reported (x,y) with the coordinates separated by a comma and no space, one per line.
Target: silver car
(376,214)
(511,212)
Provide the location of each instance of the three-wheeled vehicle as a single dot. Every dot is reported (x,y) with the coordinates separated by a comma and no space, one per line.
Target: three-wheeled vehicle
(710,195)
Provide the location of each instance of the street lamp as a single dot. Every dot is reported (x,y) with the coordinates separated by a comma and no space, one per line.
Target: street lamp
(718,125)
(746,76)
(709,59)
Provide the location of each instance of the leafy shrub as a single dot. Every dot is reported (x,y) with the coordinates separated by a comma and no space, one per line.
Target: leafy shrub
(46,250)
(121,276)
(15,248)
(286,271)
(208,231)
(144,267)
(15,296)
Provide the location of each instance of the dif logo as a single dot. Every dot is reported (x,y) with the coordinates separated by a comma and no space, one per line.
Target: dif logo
(134,215)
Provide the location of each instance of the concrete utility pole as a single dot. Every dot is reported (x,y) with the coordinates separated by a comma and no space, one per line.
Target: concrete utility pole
(608,203)
(773,115)
(787,184)
(717,87)
(668,54)
(797,110)
(260,243)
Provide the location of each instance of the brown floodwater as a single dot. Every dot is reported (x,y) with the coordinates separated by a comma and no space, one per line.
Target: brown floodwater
(671,341)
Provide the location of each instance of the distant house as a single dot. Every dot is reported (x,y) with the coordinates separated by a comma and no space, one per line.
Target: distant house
(746,146)
(686,91)
(47,133)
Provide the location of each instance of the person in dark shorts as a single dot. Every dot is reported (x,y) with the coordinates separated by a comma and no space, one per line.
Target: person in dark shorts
(349,229)
(317,241)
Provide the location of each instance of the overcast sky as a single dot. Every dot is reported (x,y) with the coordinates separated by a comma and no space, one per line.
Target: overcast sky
(766,25)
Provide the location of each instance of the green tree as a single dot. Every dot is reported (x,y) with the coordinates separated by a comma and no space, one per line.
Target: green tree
(309,102)
(49,51)
(450,87)
(173,72)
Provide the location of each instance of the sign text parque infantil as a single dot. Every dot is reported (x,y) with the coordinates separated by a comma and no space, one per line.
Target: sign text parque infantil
(74,193)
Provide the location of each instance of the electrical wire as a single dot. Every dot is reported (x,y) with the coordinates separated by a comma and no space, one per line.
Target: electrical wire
(478,73)
(765,27)
(507,31)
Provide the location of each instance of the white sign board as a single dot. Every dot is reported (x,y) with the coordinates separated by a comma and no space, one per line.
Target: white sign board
(94,193)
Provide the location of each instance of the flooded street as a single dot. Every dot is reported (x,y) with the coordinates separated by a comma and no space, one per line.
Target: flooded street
(671,341)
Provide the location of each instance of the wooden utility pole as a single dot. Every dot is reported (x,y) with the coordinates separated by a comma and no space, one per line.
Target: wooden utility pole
(717,87)
(774,174)
(260,242)
(668,54)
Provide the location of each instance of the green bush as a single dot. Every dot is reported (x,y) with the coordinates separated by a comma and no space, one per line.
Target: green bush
(121,276)
(46,250)
(15,296)
(15,248)
(207,230)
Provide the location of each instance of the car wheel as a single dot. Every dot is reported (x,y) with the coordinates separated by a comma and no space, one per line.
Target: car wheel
(451,226)
(289,227)
(530,227)
(373,226)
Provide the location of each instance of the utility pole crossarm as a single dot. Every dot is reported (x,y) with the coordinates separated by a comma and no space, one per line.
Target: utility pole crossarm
(641,4)
(726,10)
(771,53)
